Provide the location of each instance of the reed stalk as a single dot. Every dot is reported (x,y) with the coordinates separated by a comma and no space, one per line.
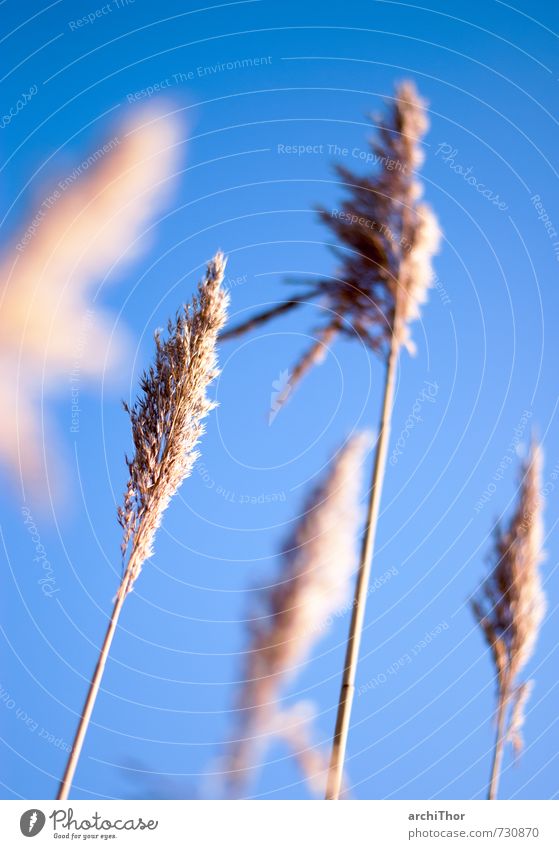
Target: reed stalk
(500,740)
(339,744)
(72,763)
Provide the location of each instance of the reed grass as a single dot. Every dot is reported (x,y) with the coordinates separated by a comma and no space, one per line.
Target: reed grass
(387,239)
(167,424)
(318,564)
(510,607)
(95,219)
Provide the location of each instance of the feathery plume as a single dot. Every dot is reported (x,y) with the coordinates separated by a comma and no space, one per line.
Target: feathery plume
(318,563)
(510,606)
(388,239)
(168,419)
(167,423)
(94,220)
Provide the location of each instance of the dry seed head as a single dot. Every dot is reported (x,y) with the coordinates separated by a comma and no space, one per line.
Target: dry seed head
(411,121)
(510,605)
(387,240)
(168,417)
(417,271)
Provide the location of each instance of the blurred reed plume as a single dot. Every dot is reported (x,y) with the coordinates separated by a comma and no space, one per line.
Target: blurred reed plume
(93,221)
(318,564)
(295,726)
(510,607)
(387,242)
(167,424)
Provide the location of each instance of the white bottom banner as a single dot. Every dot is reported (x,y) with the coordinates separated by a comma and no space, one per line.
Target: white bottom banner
(281,825)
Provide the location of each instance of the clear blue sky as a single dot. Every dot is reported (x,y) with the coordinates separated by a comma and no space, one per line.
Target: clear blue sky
(490,72)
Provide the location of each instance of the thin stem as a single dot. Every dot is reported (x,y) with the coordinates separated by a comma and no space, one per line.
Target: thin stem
(499,748)
(130,574)
(264,316)
(85,718)
(339,744)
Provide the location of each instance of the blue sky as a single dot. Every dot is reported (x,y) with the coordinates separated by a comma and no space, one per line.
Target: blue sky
(489,343)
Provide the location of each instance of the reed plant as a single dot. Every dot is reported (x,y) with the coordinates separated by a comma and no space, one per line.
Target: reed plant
(167,423)
(510,607)
(318,563)
(387,238)
(94,221)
